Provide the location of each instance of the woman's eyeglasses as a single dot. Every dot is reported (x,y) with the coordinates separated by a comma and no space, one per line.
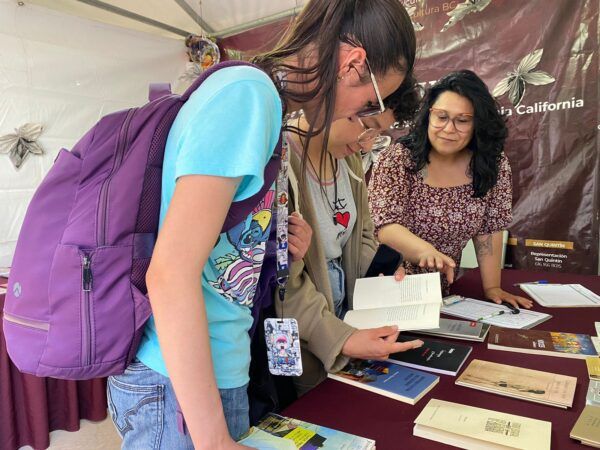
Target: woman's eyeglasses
(374,109)
(439,118)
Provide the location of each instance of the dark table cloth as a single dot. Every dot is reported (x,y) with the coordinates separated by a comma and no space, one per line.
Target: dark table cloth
(390,422)
(31,407)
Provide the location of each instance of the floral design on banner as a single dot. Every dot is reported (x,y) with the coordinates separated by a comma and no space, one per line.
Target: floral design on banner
(411,10)
(515,82)
(21,143)
(462,9)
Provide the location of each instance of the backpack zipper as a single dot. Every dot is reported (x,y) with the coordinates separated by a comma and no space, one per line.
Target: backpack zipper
(37,324)
(103,204)
(86,309)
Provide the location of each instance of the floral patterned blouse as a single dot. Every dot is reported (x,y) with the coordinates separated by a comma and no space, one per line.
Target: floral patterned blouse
(445,217)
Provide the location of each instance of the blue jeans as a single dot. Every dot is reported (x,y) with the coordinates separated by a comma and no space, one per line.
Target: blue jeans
(143,408)
(337,279)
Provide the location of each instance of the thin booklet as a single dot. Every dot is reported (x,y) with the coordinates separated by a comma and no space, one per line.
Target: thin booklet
(411,304)
(476,428)
(561,295)
(459,329)
(533,385)
(493,314)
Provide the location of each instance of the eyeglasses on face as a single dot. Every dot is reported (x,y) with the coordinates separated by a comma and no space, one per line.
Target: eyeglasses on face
(439,118)
(372,110)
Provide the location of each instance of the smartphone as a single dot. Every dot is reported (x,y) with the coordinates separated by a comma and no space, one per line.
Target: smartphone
(385,262)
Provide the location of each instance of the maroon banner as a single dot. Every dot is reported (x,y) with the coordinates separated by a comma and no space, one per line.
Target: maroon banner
(540,59)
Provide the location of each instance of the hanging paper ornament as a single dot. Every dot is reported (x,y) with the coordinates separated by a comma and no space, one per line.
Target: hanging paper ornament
(21,143)
(202,51)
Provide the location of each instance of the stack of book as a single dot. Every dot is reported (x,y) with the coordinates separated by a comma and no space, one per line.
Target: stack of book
(476,428)
(276,432)
(517,382)
(384,378)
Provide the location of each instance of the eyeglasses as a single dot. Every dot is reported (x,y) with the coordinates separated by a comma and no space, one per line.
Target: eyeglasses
(439,118)
(368,135)
(375,109)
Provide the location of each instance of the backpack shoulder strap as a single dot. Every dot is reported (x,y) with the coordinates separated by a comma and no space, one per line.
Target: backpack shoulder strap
(158,90)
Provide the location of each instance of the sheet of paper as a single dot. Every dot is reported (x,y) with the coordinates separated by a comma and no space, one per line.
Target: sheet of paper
(473,309)
(597,325)
(409,317)
(561,295)
(382,292)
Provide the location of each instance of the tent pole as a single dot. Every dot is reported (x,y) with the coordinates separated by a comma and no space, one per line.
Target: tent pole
(257,23)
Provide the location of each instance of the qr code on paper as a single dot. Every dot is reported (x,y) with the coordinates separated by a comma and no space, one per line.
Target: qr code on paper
(505,427)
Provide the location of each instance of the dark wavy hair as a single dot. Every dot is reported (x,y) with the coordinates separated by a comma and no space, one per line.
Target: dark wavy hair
(489,132)
(404,101)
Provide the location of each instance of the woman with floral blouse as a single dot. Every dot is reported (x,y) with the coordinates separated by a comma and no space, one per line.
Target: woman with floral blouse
(447,182)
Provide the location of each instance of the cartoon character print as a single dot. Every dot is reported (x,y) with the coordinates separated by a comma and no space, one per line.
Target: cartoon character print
(240,269)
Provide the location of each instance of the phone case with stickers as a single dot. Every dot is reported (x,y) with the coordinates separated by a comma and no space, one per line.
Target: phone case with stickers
(283,347)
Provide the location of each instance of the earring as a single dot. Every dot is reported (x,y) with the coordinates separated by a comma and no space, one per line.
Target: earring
(340,78)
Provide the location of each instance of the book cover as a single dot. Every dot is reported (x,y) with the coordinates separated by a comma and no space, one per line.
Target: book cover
(287,433)
(587,427)
(434,356)
(569,345)
(476,428)
(518,382)
(593,393)
(593,367)
(384,378)
(459,329)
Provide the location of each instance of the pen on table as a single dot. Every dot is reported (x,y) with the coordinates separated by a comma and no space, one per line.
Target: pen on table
(489,316)
(531,282)
(513,309)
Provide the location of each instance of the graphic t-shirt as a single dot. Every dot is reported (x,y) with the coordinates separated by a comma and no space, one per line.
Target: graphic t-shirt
(229,128)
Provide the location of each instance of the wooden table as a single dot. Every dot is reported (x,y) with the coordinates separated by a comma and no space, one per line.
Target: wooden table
(390,422)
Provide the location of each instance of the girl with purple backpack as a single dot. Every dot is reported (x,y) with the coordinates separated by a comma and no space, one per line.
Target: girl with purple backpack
(340,58)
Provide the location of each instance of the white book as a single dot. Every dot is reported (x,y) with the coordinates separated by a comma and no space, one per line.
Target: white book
(474,428)
(561,295)
(411,304)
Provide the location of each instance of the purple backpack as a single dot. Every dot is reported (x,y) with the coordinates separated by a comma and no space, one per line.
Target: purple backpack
(76,303)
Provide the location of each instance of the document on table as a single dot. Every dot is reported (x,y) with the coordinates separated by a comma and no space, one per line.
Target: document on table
(561,295)
(471,309)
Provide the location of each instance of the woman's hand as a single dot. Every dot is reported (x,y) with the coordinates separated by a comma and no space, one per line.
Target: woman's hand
(299,236)
(499,295)
(376,343)
(433,259)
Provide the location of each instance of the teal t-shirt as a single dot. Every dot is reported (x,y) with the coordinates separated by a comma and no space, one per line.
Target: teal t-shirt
(229,127)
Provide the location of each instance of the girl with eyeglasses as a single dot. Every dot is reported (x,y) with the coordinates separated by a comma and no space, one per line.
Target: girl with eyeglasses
(331,195)
(197,345)
(447,182)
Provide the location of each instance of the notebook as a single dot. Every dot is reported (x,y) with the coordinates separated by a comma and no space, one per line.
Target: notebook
(488,312)
(561,295)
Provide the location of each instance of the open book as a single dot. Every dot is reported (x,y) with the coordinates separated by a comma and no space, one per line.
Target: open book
(412,304)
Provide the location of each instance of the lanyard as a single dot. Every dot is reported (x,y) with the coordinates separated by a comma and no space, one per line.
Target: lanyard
(282,219)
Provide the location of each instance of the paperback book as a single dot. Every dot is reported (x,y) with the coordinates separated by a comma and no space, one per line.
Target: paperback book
(413,304)
(593,367)
(459,329)
(434,356)
(551,343)
(587,427)
(517,382)
(593,394)
(384,378)
(474,428)
(275,432)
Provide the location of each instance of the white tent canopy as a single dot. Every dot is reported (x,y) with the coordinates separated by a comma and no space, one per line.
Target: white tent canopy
(172,18)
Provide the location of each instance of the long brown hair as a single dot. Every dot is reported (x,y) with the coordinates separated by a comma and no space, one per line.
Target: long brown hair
(382,27)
